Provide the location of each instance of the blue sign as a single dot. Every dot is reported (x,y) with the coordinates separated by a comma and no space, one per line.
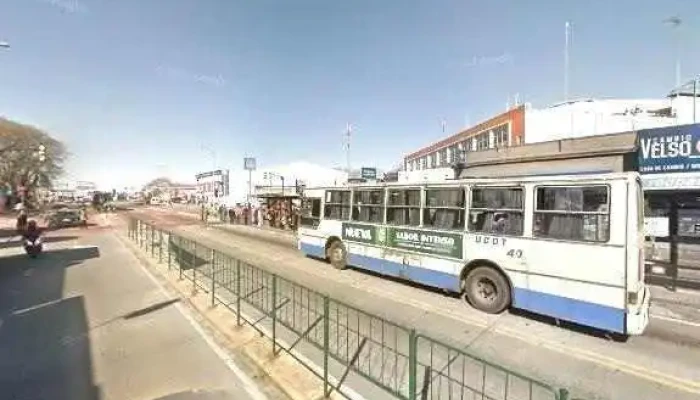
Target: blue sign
(671,149)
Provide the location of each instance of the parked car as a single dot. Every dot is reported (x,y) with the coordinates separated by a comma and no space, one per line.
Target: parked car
(63,218)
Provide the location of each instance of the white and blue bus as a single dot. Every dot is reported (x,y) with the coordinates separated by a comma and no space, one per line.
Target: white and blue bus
(570,247)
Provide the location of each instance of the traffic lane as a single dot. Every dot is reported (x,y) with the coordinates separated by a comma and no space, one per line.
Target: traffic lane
(103,324)
(589,358)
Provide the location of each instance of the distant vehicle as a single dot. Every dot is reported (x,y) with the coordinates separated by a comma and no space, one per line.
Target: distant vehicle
(63,218)
(570,247)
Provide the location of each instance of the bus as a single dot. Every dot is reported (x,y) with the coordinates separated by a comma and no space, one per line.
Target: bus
(570,247)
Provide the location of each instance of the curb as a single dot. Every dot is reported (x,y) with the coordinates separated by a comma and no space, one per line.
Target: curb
(282,371)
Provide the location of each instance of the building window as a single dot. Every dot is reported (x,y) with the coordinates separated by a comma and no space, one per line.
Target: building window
(500,134)
(453,154)
(443,157)
(403,207)
(482,141)
(572,213)
(496,211)
(368,206)
(444,208)
(423,163)
(337,205)
(432,160)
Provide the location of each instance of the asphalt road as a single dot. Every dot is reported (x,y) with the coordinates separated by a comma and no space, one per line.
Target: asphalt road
(85,322)
(661,364)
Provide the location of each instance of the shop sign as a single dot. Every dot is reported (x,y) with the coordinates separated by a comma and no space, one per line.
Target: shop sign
(671,181)
(422,241)
(368,173)
(670,149)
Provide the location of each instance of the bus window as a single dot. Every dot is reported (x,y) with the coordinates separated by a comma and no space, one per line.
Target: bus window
(444,208)
(497,211)
(572,213)
(403,207)
(337,205)
(368,206)
(310,212)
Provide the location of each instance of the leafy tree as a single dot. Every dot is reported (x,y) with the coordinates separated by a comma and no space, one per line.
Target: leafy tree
(21,161)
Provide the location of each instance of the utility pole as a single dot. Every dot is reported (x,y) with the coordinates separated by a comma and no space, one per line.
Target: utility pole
(348,133)
(567,35)
(695,96)
(675,23)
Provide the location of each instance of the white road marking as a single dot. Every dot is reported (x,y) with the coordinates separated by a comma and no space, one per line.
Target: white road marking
(248,383)
(677,320)
(35,307)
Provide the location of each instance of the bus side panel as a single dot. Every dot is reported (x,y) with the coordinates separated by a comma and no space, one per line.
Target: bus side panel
(571,301)
(577,282)
(311,245)
(312,242)
(426,270)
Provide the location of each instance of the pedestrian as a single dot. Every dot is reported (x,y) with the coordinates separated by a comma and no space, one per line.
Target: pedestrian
(83,217)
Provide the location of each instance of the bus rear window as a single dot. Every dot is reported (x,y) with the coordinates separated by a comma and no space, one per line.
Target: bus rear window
(310,212)
(578,213)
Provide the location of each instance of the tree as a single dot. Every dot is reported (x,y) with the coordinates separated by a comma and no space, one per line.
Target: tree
(22,163)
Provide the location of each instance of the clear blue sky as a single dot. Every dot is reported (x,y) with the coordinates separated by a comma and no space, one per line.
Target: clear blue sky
(136,88)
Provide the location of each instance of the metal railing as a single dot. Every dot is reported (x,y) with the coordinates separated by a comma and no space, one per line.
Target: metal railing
(403,362)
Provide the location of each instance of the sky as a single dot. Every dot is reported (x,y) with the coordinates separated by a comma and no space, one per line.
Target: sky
(138,89)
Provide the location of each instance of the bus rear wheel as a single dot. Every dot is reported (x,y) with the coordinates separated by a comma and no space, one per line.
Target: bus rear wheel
(337,255)
(486,290)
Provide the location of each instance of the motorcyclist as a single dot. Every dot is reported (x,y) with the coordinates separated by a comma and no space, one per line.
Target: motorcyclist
(32,232)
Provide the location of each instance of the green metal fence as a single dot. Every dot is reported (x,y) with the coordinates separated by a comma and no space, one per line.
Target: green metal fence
(397,359)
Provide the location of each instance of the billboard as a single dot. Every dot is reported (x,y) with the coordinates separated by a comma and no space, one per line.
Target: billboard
(213,183)
(428,242)
(369,173)
(249,164)
(670,149)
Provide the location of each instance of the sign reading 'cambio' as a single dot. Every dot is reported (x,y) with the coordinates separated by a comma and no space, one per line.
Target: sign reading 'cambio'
(672,149)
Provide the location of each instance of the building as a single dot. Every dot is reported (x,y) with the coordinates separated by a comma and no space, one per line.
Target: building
(212,185)
(669,162)
(433,162)
(573,119)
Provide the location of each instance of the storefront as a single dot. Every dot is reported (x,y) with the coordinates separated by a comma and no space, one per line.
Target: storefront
(669,161)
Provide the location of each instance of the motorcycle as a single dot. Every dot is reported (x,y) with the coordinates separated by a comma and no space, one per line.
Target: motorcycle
(32,240)
(33,246)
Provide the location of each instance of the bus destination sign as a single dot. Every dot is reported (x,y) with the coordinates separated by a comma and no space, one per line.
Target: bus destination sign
(428,242)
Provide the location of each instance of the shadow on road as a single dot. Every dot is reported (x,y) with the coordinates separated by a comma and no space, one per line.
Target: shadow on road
(44,353)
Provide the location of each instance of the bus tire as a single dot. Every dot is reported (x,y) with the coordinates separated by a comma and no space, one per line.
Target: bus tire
(337,255)
(487,290)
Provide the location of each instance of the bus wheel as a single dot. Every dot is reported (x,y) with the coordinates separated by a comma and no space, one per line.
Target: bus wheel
(337,255)
(487,290)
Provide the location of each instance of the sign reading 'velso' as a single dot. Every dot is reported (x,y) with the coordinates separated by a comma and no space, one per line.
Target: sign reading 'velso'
(671,149)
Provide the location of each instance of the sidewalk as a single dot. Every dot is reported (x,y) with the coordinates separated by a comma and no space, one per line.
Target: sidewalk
(113,333)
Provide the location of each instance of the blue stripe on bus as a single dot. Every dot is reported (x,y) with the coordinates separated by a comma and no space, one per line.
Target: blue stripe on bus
(589,314)
(582,312)
(312,250)
(424,276)
(416,274)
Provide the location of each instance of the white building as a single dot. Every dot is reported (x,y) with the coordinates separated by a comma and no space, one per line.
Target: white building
(524,124)
(270,179)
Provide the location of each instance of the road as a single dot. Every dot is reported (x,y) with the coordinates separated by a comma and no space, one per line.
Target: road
(84,322)
(661,364)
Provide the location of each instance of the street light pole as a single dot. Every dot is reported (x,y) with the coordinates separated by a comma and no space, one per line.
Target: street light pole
(675,23)
(695,96)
